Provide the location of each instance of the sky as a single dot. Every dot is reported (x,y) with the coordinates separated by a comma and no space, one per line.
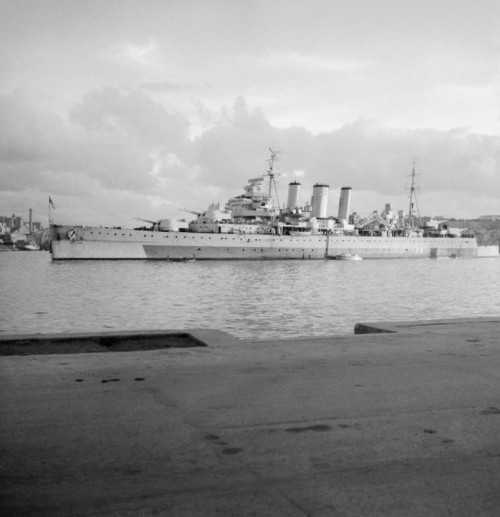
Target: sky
(142,108)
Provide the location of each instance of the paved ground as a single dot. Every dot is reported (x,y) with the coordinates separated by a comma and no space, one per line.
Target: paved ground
(389,424)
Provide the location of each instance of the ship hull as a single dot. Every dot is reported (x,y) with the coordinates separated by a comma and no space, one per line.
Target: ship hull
(93,243)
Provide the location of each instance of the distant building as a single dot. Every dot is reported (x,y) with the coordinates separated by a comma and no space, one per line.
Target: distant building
(13,222)
(10,224)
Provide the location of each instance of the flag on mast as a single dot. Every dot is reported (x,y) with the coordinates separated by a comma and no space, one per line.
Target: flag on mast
(51,203)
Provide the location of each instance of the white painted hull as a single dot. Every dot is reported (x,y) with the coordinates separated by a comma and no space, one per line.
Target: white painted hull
(105,243)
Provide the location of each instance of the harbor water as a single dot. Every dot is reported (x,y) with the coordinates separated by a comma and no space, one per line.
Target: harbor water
(249,299)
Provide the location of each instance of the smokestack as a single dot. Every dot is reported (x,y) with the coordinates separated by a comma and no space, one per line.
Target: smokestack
(293,195)
(319,200)
(345,203)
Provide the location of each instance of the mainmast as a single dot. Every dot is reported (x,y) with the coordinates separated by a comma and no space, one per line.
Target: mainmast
(413,196)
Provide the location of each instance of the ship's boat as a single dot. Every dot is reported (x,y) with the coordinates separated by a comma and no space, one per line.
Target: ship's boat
(347,256)
(250,226)
(31,247)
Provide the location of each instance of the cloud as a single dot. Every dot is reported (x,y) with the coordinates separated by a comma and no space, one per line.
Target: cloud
(120,155)
(110,141)
(313,63)
(143,63)
(145,55)
(365,155)
(31,135)
(132,117)
(165,86)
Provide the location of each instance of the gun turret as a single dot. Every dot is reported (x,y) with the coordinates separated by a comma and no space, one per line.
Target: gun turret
(191,211)
(145,220)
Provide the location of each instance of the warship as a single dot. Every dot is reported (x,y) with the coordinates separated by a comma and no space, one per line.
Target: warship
(251,227)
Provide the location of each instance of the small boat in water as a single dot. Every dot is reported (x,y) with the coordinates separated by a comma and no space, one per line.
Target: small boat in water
(347,256)
(31,247)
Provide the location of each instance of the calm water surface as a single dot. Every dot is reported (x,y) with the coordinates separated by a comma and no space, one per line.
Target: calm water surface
(257,299)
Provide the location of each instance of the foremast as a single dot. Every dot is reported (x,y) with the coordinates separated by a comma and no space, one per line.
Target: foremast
(272,176)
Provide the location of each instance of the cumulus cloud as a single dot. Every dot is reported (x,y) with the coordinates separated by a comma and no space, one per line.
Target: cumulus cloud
(30,138)
(111,141)
(363,154)
(120,155)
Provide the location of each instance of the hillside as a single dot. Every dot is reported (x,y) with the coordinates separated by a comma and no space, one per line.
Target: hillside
(486,232)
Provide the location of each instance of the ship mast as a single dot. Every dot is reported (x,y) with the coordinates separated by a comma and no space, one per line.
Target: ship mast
(413,196)
(272,174)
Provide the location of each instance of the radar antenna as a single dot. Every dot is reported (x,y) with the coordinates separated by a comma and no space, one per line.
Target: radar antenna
(413,196)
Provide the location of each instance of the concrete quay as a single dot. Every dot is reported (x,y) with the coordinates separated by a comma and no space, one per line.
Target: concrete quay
(401,419)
